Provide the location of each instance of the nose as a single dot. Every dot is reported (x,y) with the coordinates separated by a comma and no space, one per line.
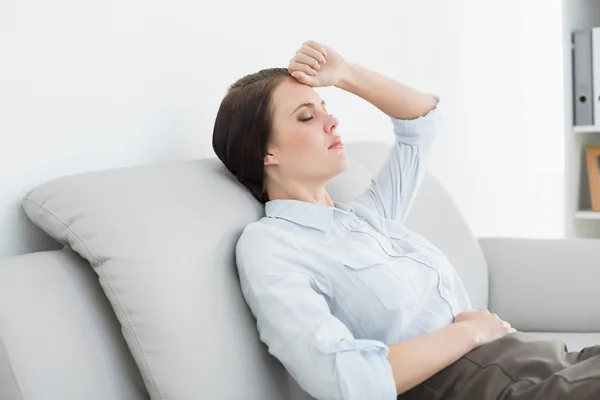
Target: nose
(331,123)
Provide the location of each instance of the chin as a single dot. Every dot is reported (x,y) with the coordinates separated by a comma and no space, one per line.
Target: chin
(331,168)
(341,166)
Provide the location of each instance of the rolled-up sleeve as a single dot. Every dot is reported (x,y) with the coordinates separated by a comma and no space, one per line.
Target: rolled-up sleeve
(295,322)
(392,190)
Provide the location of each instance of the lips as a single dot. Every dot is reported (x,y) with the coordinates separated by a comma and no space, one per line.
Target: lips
(337,143)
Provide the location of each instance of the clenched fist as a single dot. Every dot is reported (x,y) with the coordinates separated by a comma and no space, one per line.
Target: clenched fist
(317,65)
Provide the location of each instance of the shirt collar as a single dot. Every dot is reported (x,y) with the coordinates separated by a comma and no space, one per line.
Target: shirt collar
(307,214)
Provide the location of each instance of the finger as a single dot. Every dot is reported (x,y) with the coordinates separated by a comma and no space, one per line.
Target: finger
(485,310)
(308,60)
(317,46)
(313,52)
(495,315)
(297,66)
(303,78)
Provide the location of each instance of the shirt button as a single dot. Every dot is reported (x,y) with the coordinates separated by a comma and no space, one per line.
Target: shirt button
(356,224)
(446,291)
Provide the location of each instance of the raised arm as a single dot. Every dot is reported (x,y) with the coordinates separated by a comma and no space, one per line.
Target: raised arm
(393,189)
(391,192)
(415,117)
(395,99)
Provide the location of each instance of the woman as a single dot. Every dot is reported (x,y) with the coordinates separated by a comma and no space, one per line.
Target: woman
(347,298)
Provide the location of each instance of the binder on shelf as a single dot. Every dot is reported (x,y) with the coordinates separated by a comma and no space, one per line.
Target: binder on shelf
(586,55)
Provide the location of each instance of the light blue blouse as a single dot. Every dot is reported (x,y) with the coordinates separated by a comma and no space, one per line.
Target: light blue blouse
(332,287)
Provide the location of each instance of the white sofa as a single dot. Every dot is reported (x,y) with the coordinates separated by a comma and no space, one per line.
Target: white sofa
(144,302)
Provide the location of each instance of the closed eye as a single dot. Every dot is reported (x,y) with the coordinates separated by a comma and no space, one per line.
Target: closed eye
(310,105)
(305,119)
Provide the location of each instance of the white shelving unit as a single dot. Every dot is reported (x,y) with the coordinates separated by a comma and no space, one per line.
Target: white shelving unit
(586,129)
(580,221)
(587,215)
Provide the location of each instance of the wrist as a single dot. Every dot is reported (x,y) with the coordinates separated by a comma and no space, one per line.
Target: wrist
(346,80)
(471,333)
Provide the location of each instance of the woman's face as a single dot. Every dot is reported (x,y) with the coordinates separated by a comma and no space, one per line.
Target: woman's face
(303,135)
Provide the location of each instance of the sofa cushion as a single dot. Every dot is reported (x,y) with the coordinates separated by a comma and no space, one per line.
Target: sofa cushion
(161,238)
(59,338)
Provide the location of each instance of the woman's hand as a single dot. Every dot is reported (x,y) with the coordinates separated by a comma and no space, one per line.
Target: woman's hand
(317,65)
(486,326)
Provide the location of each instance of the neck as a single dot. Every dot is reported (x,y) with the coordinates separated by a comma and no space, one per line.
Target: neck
(315,193)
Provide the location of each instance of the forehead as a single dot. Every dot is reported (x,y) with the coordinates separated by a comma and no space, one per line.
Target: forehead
(289,94)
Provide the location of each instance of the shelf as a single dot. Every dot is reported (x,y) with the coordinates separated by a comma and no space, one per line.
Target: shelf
(587,214)
(586,128)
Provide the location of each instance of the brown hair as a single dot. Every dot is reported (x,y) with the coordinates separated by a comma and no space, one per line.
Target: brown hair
(243,127)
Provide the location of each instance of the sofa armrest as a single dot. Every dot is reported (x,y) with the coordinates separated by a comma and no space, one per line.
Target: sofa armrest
(59,338)
(545,285)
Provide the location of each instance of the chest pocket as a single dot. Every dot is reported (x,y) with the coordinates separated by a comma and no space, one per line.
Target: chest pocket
(403,235)
(374,272)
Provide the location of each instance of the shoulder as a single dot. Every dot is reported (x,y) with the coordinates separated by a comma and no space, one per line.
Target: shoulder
(264,232)
(267,253)
(262,242)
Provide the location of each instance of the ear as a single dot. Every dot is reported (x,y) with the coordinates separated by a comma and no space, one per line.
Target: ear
(270,159)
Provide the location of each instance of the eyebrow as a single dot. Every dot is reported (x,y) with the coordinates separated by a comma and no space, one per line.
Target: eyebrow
(312,105)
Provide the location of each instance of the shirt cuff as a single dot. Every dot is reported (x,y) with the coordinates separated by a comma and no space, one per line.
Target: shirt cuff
(364,371)
(413,131)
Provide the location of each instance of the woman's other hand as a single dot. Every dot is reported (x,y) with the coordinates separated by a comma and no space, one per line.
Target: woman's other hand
(317,65)
(485,326)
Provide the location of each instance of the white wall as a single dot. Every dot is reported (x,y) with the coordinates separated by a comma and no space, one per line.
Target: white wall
(94,85)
